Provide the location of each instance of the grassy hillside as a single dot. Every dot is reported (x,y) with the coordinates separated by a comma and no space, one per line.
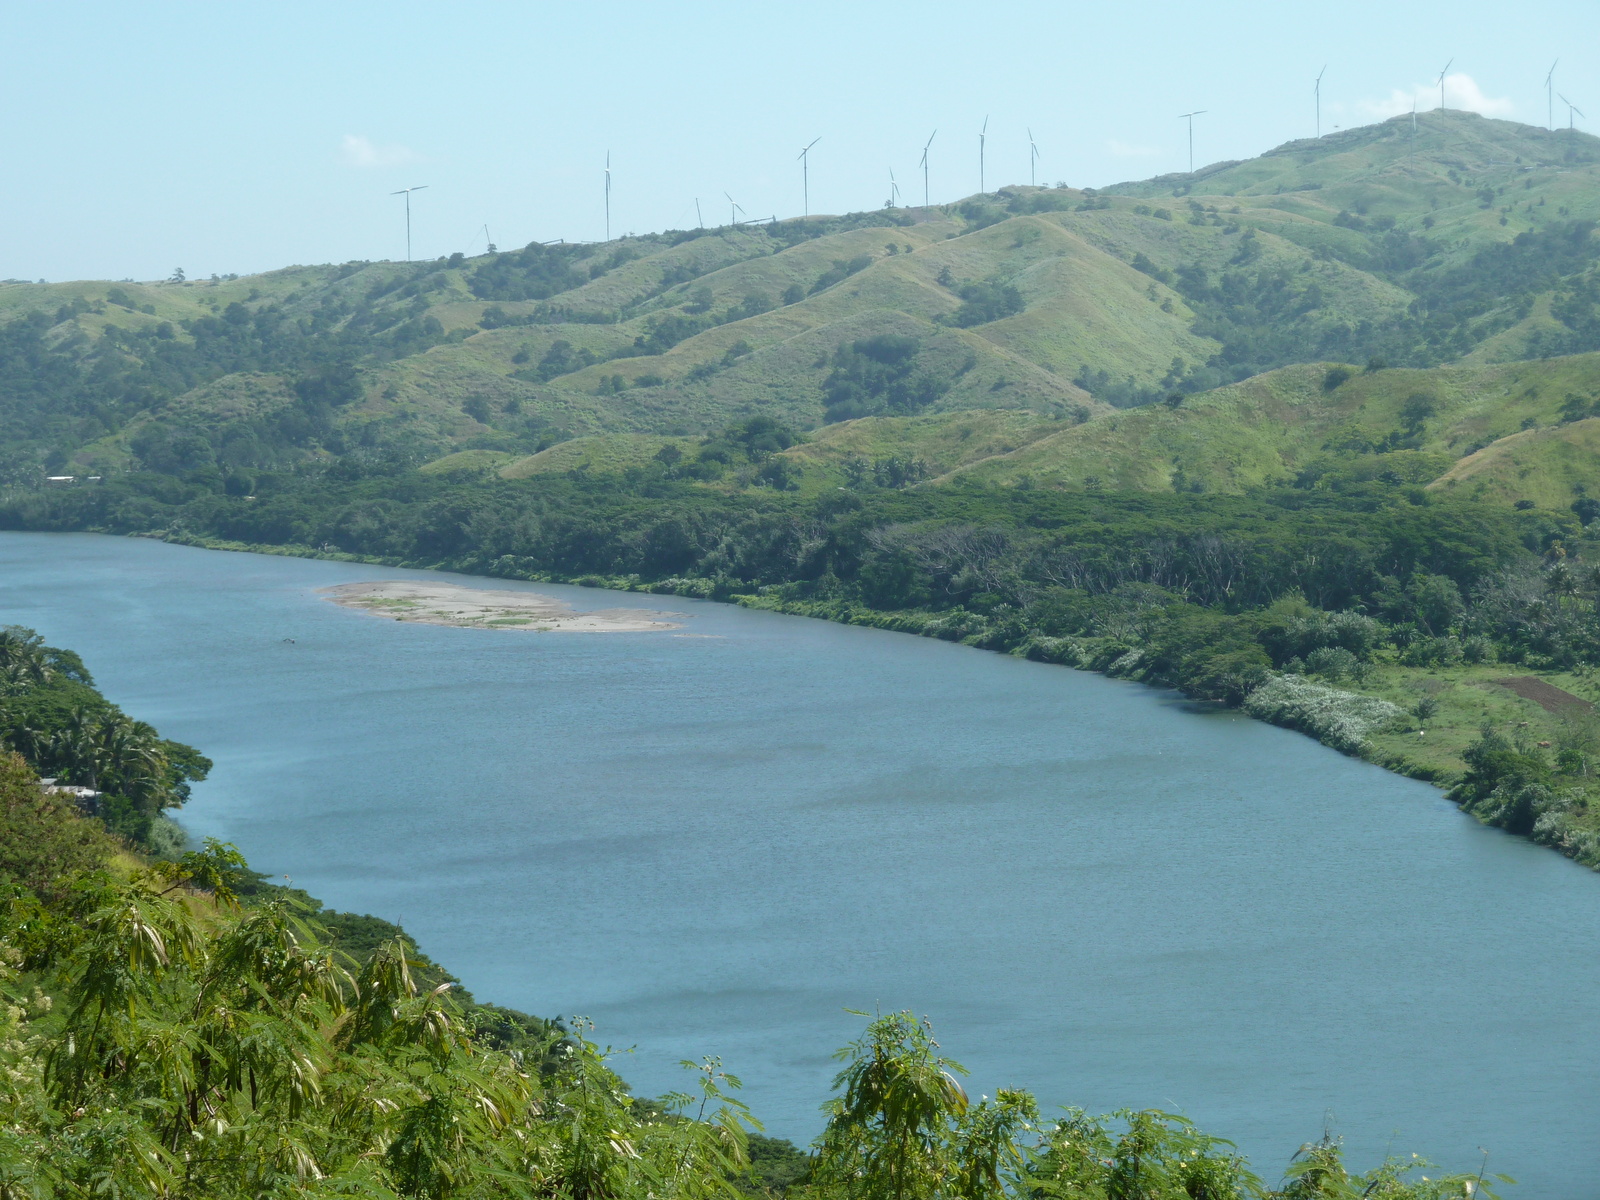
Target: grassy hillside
(1549,468)
(1466,243)
(923,446)
(610,454)
(1280,426)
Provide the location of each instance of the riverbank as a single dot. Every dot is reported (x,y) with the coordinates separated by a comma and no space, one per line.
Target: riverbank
(1421,722)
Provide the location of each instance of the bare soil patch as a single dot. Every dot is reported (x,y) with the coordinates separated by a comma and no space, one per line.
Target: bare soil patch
(1546,695)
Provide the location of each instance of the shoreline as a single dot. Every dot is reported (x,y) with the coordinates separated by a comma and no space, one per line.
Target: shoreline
(923,624)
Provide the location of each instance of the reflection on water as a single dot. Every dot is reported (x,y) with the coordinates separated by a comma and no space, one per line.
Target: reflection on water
(716,844)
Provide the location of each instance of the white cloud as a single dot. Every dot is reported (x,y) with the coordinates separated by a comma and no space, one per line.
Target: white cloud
(1461,91)
(358,151)
(1128,150)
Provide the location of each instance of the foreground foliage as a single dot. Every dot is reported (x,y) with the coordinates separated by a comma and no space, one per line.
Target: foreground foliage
(161,1041)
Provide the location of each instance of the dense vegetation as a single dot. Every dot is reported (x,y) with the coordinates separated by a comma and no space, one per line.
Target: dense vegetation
(51,711)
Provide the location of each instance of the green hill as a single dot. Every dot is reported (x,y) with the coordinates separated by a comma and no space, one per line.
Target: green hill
(1304,422)
(1469,242)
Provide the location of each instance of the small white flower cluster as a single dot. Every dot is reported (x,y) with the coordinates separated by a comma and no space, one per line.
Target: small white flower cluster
(1337,718)
(702,589)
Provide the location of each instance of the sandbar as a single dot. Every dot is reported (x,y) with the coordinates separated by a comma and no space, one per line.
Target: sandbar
(478,608)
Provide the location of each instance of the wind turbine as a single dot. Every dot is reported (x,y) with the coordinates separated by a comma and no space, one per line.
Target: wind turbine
(1033,161)
(1441,84)
(1191,116)
(1549,90)
(1318,90)
(894,191)
(982,138)
(924,165)
(406,192)
(805,174)
(608,195)
(700,222)
(1571,108)
(733,210)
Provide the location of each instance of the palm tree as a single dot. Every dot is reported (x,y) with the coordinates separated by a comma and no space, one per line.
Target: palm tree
(22,659)
(131,760)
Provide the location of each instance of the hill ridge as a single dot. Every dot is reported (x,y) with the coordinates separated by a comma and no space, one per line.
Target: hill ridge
(1067,303)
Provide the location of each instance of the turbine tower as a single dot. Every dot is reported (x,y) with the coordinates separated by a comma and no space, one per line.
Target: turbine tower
(1190,116)
(805,174)
(608,195)
(1571,108)
(1318,90)
(894,191)
(982,138)
(1549,91)
(406,192)
(1441,84)
(733,210)
(924,165)
(1033,161)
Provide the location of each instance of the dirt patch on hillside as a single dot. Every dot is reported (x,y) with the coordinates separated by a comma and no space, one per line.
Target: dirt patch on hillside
(1546,695)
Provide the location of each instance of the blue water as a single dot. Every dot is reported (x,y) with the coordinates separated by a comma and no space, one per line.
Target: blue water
(716,843)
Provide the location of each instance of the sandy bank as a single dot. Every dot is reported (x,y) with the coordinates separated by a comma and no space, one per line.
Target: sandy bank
(452,604)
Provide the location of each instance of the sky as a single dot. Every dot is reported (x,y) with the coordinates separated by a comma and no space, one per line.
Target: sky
(242,137)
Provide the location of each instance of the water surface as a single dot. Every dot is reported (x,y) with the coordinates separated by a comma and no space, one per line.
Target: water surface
(714,842)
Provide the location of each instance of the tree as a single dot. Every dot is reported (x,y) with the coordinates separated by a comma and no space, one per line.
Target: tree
(44,841)
(890,1134)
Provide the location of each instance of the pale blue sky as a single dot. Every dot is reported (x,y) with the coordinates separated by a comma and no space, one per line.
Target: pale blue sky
(235,137)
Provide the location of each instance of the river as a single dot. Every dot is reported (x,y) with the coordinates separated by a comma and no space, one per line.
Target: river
(716,841)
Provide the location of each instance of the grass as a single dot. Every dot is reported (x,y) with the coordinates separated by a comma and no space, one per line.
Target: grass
(608,454)
(1547,467)
(944,441)
(1270,428)
(474,461)
(1086,307)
